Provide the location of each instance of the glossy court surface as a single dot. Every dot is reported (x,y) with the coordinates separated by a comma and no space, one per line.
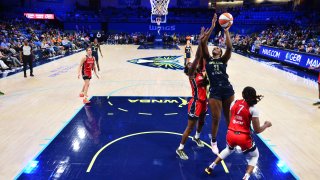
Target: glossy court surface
(136,138)
(41,115)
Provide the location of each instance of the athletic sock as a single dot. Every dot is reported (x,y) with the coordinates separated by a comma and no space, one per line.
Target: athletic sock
(181,146)
(212,165)
(197,136)
(246,176)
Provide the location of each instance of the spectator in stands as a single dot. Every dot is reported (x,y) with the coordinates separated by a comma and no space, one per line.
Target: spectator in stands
(3,66)
(5,44)
(9,59)
(257,44)
(301,48)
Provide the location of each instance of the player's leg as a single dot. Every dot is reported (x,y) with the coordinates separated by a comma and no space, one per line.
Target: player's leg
(253,159)
(223,155)
(85,91)
(202,116)
(232,141)
(82,90)
(97,61)
(226,108)
(186,133)
(215,108)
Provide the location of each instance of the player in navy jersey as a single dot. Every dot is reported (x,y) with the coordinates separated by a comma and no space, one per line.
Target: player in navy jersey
(187,51)
(95,46)
(221,93)
(197,106)
(243,112)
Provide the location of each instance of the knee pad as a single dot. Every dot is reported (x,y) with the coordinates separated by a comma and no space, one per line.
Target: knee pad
(253,157)
(226,152)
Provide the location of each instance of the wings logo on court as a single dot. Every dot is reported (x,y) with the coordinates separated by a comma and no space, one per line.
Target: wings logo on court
(164,62)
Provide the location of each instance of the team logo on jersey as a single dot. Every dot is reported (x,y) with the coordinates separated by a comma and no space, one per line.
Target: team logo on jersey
(164,62)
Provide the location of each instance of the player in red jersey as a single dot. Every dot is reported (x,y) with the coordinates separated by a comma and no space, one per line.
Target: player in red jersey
(85,69)
(197,106)
(317,68)
(243,112)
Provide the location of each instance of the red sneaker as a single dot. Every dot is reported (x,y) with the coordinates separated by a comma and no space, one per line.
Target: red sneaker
(86,101)
(81,95)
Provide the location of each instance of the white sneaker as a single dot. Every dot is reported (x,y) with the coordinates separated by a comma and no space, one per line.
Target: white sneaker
(214,147)
(182,154)
(246,177)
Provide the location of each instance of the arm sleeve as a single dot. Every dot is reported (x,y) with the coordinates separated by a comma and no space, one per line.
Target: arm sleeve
(254,111)
(232,104)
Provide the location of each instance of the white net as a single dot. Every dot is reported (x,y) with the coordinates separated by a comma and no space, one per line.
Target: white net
(159,7)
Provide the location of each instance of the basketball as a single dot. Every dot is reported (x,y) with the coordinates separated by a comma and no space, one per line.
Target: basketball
(225,20)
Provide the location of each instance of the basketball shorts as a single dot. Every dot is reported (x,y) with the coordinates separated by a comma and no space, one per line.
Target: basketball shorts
(196,109)
(221,92)
(319,79)
(188,55)
(85,77)
(243,140)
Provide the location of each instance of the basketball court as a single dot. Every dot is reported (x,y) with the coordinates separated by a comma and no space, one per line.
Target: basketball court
(138,112)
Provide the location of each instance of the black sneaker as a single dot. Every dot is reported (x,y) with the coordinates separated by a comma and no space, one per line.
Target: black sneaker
(198,141)
(1,93)
(31,75)
(208,170)
(182,154)
(316,103)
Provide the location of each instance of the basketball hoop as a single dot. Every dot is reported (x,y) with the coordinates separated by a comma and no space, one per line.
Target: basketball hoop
(159,10)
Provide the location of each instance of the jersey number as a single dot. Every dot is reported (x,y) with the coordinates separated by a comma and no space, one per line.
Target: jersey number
(241,107)
(216,67)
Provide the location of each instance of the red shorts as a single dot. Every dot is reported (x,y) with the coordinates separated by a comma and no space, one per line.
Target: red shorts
(319,78)
(196,108)
(243,140)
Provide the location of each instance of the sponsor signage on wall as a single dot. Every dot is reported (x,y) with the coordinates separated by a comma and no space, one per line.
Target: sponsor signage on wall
(292,57)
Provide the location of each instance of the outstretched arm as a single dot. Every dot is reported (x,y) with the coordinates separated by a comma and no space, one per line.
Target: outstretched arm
(207,34)
(257,127)
(198,56)
(100,50)
(80,67)
(225,58)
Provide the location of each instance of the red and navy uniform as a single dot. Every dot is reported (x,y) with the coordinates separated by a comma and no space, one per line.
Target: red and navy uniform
(239,133)
(87,67)
(198,103)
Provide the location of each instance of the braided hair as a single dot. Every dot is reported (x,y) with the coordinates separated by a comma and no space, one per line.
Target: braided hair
(250,96)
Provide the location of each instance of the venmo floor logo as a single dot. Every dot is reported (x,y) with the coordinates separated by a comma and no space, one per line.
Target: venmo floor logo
(164,62)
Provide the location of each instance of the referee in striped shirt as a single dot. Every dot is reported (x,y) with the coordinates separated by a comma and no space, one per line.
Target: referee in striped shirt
(27,57)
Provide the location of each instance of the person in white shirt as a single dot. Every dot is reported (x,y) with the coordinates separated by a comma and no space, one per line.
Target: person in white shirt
(27,57)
